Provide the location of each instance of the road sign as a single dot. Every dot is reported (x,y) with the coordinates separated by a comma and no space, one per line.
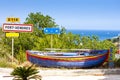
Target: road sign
(17,27)
(13,19)
(51,30)
(12,34)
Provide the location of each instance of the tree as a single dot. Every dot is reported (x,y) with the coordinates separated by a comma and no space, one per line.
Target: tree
(87,42)
(25,73)
(40,21)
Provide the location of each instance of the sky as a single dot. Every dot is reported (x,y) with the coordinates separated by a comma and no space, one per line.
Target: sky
(71,14)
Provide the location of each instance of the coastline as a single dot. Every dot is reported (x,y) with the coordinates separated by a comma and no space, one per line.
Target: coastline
(102,34)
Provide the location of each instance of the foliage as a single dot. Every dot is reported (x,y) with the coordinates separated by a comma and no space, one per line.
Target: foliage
(37,40)
(21,56)
(4,63)
(117,62)
(25,73)
(4,57)
(40,21)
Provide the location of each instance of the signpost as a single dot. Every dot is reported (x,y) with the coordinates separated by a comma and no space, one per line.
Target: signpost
(51,31)
(11,29)
(12,35)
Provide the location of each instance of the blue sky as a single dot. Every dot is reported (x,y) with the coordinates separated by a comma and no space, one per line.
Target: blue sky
(72,14)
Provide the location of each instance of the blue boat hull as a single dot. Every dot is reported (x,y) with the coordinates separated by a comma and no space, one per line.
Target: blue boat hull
(69,61)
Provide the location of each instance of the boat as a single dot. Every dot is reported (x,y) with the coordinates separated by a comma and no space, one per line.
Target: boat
(75,59)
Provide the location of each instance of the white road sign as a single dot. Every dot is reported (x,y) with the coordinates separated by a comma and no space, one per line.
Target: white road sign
(17,27)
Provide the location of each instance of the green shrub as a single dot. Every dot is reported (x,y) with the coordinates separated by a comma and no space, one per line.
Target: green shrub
(21,56)
(25,73)
(4,63)
(117,62)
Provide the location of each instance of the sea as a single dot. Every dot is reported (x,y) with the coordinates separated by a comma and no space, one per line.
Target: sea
(101,34)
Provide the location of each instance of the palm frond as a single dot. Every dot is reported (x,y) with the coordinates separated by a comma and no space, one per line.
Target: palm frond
(25,73)
(36,77)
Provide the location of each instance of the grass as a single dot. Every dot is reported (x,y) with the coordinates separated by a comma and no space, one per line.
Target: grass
(6,64)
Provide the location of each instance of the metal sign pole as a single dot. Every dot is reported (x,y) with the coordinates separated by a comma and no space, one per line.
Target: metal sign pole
(51,41)
(51,31)
(12,49)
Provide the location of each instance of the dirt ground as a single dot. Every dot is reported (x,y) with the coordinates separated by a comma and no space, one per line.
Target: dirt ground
(61,74)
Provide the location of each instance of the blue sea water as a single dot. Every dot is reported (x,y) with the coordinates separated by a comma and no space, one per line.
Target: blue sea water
(102,34)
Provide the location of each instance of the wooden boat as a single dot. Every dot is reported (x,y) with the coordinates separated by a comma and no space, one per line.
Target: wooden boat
(77,59)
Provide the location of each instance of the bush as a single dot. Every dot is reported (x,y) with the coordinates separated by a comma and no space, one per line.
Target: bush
(21,56)
(4,63)
(117,62)
(25,73)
